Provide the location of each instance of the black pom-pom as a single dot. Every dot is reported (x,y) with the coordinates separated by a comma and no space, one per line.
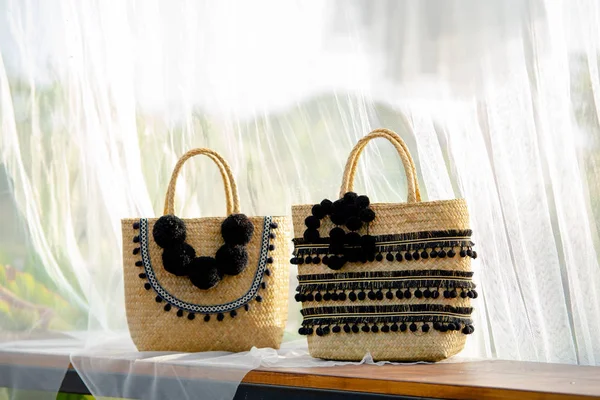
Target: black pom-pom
(180,313)
(231,260)
(374,329)
(407,294)
(336,329)
(337,235)
(389,257)
(237,229)
(379,295)
(352,238)
(338,207)
(385,329)
(399,257)
(365,328)
(168,231)
(425,328)
(347,328)
(327,296)
(424,255)
(233,313)
(379,257)
(394,327)
(167,307)
(342,296)
(372,295)
(463,253)
(326,206)
(203,273)
(318,297)
(312,222)
(354,223)
(366,215)
(352,296)
(350,197)
(362,296)
(207,318)
(191,316)
(220,317)
(408,256)
(317,211)
(338,218)
(403,327)
(435,294)
(451,253)
(311,235)
(355,328)
(367,242)
(351,210)
(413,327)
(147,286)
(362,202)
(418,293)
(336,248)
(336,262)
(177,259)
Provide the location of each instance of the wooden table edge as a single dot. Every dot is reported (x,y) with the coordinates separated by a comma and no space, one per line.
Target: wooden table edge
(400,388)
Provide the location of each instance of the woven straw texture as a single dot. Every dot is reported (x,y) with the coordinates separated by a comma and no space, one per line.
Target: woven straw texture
(391,218)
(153,329)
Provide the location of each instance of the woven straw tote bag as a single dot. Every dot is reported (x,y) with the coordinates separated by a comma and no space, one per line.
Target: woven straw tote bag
(389,279)
(206,284)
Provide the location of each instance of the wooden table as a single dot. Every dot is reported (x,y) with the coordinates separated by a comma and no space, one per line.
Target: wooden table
(494,379)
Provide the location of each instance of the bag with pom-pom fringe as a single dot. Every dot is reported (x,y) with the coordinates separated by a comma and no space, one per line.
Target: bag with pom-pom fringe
(206,284)
(390,279)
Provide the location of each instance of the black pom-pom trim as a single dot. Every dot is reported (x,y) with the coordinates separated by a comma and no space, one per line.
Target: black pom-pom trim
(168,231)
(237,229)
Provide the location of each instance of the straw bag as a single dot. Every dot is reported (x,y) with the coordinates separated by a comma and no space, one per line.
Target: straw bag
(206,284)
(391,279)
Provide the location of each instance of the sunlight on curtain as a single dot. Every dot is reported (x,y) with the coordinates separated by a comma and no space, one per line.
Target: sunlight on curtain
(98,100)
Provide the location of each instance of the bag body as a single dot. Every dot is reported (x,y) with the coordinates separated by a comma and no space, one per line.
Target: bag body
(168,312)
(399,283)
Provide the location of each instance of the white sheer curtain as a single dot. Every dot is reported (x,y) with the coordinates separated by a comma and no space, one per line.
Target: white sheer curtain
(98,99)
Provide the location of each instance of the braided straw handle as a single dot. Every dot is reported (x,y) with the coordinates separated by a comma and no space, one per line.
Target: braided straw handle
(414,194)
(231,194)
